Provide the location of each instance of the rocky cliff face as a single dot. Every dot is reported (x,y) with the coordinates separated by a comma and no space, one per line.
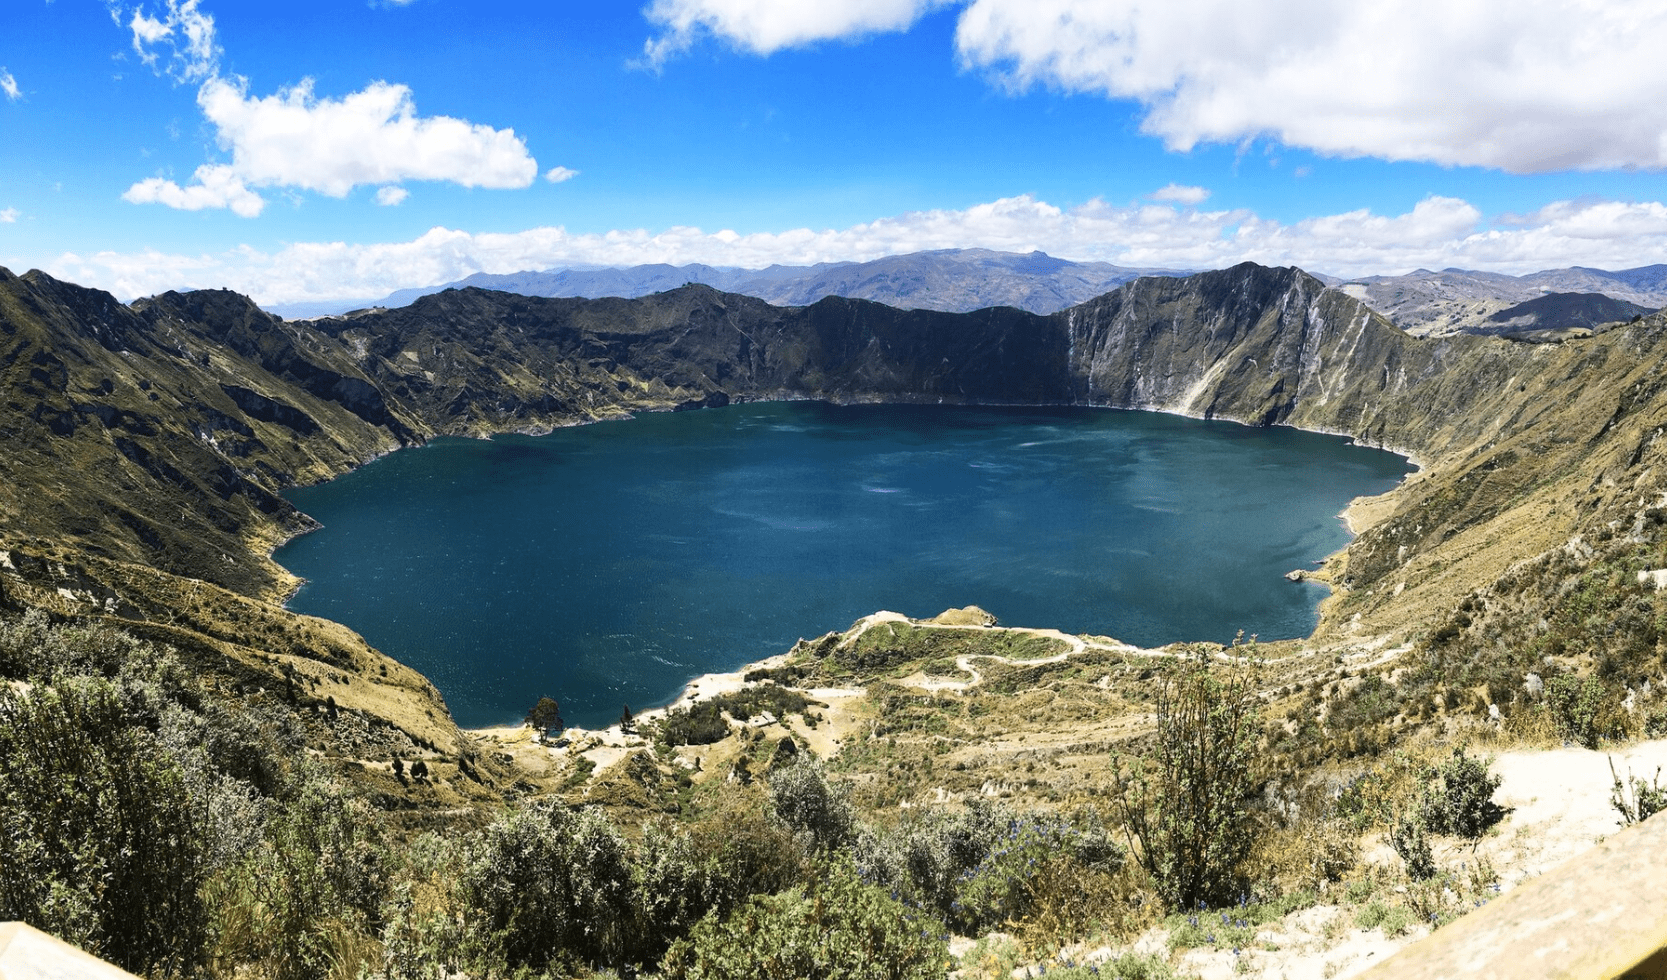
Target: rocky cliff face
(146,446)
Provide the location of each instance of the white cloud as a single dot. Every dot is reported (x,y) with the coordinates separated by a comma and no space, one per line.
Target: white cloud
(178,39)
(1437,233)
(8,85)
(213,186)
(1529,86)
(391,195)
(765,26)
(9,216)
(556,175)
(296,140)
(1180,194)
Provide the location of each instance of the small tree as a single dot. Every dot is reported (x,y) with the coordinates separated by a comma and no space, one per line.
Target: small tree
(546,715)
(626,723)
(1186,801)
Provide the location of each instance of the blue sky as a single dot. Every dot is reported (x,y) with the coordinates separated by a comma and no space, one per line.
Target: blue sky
(317,150)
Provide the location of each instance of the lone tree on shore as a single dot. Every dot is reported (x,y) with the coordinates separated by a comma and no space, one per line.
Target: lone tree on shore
(546,716)
(627,724)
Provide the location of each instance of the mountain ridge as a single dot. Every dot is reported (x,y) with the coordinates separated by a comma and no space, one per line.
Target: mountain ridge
(962,280)
(948,280)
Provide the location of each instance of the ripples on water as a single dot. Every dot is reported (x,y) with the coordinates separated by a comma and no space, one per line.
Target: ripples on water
(606,564)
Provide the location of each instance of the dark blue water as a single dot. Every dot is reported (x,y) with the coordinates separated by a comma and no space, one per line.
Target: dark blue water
(607,564)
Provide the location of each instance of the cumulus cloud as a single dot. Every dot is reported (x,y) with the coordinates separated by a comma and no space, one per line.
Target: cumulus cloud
(1537,85)
(8,216)
(392,195)
(556,175)
(213,186)
(8,85)
(297,140)
(1180,194)
(176,38)
(765,26)
(1528,86)
(1437,233)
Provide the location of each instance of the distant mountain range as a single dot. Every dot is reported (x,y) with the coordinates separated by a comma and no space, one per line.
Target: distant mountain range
(1428,303)
(949,280)
(1422,303)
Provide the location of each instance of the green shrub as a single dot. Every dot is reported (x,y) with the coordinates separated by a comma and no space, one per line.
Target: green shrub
(552,886)
(1655,723)
(702,723)
(314,885)
(1187,802)
(1413,845)
(679,878)
(804,801)
(931,853)
(1392,919)
(1640,801)
(1575,706)
(757,853)
(1003,885)
(836,928)
(1458,798)
(749,702)
(431,944)
(100,842)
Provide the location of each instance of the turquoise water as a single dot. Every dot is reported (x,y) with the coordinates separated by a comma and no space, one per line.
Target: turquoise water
(607,564)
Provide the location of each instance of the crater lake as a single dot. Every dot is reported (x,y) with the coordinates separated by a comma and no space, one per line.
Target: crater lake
(608,564)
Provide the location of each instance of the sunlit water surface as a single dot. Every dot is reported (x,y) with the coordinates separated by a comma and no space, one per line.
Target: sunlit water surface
(607,564)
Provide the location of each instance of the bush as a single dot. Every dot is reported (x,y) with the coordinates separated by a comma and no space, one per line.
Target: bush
(1027,857)
(1575,706)
(100,842)
(985,866)
(804,801)
(747,703)
(1639,803)
(552,886)
(1413,845)
(312,888)
(1458,799)
(430,944)
(702,723)
(836,929)
(1188,801)
(925,859)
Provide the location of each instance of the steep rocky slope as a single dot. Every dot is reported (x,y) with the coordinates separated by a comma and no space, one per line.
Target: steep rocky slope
(146,446)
